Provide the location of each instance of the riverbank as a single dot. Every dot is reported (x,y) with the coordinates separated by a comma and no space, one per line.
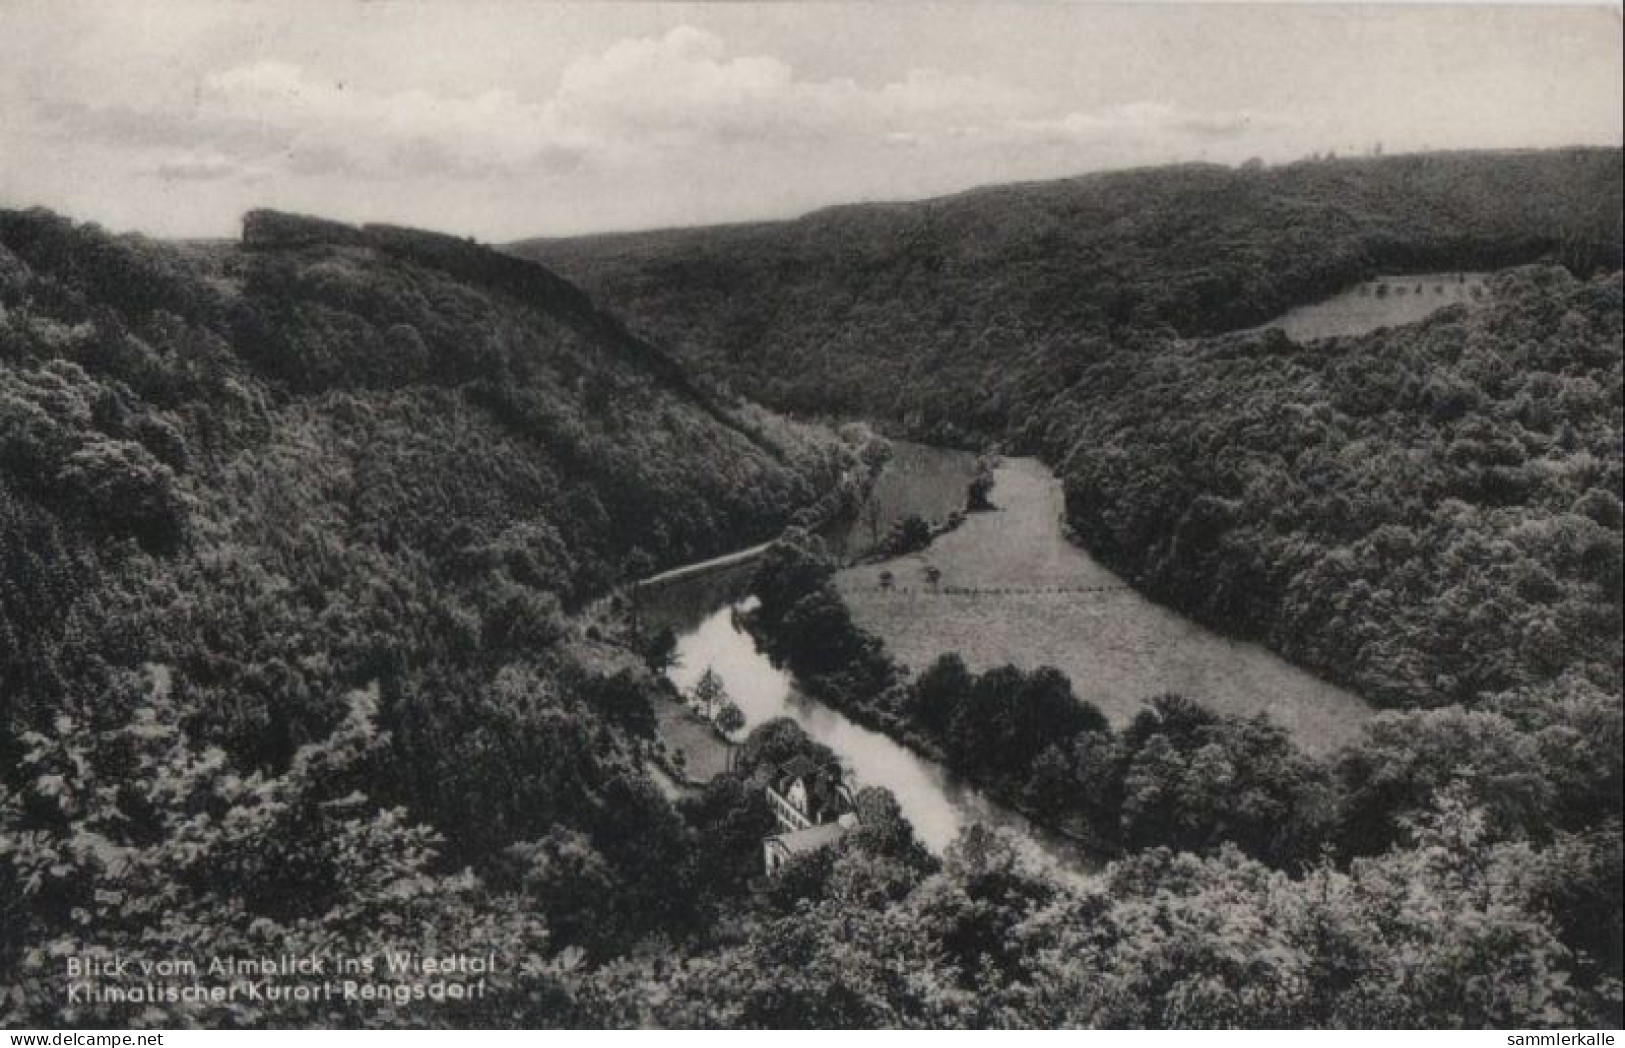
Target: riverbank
(710,635)
(869,455)
(1012,589)
(1090,854)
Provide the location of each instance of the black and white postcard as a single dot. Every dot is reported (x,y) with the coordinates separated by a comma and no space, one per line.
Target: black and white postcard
(806,515)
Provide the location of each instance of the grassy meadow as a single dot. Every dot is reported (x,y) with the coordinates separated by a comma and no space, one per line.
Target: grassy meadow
(1381,302)
(1013,589)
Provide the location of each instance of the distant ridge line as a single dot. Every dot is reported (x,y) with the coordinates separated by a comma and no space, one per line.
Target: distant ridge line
(904,204)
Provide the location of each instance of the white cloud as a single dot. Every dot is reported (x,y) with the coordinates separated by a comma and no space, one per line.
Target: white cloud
(683,84)
(636,101)
(205,166)
(683,89)
(1146,120)
(315,124)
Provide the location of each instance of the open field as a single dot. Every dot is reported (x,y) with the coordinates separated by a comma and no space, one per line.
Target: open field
(704,754)
(1013,589)
(1381,302)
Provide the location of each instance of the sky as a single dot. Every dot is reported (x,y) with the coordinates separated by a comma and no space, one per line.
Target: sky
(503,119)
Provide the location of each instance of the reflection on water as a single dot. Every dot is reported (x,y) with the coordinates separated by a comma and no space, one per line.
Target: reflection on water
(683,605)
(936,803)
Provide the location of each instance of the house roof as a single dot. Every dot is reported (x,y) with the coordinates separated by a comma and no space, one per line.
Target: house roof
(801,767)
(824,797)
(811,839)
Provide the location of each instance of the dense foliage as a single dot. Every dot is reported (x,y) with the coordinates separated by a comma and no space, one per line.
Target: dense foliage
(1430,513)
(305,644)
(238,485)
(1444,933)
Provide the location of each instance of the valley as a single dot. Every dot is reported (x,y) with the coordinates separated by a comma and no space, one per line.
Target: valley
(353,579)
(1011,590)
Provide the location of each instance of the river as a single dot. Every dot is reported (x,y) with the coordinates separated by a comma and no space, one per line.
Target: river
(934,800)
(703,611)
(1044,601)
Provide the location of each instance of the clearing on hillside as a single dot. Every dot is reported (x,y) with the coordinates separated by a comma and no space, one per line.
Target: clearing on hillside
(1380,302)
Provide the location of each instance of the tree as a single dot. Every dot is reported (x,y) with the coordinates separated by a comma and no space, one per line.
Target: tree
(911,533)
(871,514)
(884,830)
(623,701)
(980,487)
(729,718)
(661,650)
(790,569)
(776,741)
(817,634)
(569,881)
(1052,788)
(937,693)
(708,693)
(119,839)
(1046,708)
(122,487)
(729,819)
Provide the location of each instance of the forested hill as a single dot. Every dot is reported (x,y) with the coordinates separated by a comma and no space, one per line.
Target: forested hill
(911,311)
(1429,513)
(1359,504)
(468,261)
(290,531)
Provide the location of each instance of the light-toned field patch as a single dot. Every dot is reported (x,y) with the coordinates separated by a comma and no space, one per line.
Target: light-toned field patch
(704,755)
(1013,589)
(1382,302)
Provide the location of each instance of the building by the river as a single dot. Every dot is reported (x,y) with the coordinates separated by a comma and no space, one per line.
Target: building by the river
(813,807)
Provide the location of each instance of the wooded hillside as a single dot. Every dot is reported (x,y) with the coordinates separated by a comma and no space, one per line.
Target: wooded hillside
(289,532)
